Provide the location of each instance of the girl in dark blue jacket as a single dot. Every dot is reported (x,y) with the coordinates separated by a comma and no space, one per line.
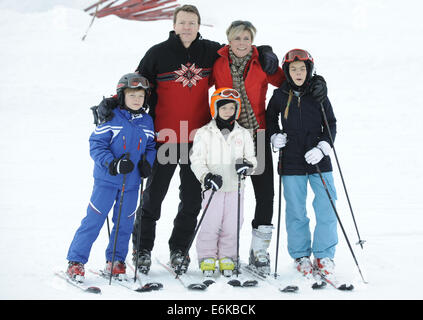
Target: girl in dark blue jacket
(115,146)
(305,140)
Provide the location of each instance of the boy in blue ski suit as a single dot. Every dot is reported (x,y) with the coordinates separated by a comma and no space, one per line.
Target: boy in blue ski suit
(306,147)
(115,146)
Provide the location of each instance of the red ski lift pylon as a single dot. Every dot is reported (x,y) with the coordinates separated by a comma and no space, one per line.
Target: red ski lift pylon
(143,10)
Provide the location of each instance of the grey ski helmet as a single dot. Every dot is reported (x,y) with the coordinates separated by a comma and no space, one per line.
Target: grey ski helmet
(132,80)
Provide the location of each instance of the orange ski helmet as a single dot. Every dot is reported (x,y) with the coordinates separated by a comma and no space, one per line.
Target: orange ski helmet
(225,94)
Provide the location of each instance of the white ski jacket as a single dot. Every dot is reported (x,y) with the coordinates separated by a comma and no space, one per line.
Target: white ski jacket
(211,152)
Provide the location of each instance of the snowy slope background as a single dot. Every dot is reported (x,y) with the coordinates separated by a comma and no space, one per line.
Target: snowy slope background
(370,53)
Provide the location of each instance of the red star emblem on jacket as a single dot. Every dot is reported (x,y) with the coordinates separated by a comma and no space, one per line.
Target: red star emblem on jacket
(188,75)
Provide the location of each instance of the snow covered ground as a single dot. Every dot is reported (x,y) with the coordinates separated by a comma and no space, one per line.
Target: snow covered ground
(369,52)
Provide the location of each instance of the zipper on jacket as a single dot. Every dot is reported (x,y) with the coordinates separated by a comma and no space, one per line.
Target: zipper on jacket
(139,144)
(299,109)
(124,143)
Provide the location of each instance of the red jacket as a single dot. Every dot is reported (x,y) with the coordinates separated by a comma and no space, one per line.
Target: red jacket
(256,81)
(180,76)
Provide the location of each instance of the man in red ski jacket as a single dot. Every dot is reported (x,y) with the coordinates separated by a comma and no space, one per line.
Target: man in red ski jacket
(179,69)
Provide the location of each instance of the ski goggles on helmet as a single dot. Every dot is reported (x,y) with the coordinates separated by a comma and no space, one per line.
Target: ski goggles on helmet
(227,93)
(298,54)
(138,82)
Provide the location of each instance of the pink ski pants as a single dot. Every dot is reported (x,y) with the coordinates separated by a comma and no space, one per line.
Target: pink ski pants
(218,233)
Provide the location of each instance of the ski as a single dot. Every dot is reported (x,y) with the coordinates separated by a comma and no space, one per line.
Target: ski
(241,281)
(336,284)
(316,282)
(270,280)
(123,281)
(188,281)
(145,280)
(80,285)
(210,277)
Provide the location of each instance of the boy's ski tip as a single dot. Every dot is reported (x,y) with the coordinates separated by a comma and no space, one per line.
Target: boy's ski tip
(318,285)
(96,290)
(197,286)
(290,289)
(234,283)
(346,287)
(153,286)
(80,285)
(245,283)
(250,283)
(208,282)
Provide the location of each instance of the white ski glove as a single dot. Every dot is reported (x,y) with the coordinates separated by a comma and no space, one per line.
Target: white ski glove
(325,147)
(278,140)
(317,153)
(314,156)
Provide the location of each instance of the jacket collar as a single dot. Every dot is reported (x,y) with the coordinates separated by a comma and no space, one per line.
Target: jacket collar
(174,38)
(213,126)
(285,87)
(127,114)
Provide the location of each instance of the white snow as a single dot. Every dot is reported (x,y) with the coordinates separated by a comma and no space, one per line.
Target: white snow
(370,53)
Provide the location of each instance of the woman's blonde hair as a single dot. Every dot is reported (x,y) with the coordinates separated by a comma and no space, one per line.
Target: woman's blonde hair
(238,27)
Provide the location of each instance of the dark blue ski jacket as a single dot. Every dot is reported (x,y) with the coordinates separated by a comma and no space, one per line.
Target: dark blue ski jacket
(126,132)
(304,126)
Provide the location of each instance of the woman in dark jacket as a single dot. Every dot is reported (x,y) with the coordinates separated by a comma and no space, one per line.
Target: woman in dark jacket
(305,140)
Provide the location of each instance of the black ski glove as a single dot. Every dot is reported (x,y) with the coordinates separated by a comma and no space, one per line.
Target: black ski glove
(144,168)
(105,108)
(213,181)
(318,88)
(242,165)
(121,165)
(268,60)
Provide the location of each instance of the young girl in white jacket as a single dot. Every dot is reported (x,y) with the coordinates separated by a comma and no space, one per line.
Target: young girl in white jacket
(222,150)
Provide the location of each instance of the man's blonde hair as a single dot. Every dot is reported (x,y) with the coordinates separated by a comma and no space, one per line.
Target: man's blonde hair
(187,8)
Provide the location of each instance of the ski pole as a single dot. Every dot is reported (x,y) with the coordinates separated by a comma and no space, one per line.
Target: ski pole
(178,272)
(139,228)
(237,224)
(360,242)
(108,226)
(339,220)
(279,212)
(117,224)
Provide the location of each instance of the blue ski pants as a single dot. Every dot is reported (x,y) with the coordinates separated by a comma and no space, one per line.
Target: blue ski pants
(103,198)
(325,236)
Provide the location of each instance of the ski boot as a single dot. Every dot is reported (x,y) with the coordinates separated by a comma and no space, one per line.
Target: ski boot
(304,266)
(259,257)
(119,270)
(176,259)
(76,271)
(226,267)
(144,260)
(208,266)
(325,267)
